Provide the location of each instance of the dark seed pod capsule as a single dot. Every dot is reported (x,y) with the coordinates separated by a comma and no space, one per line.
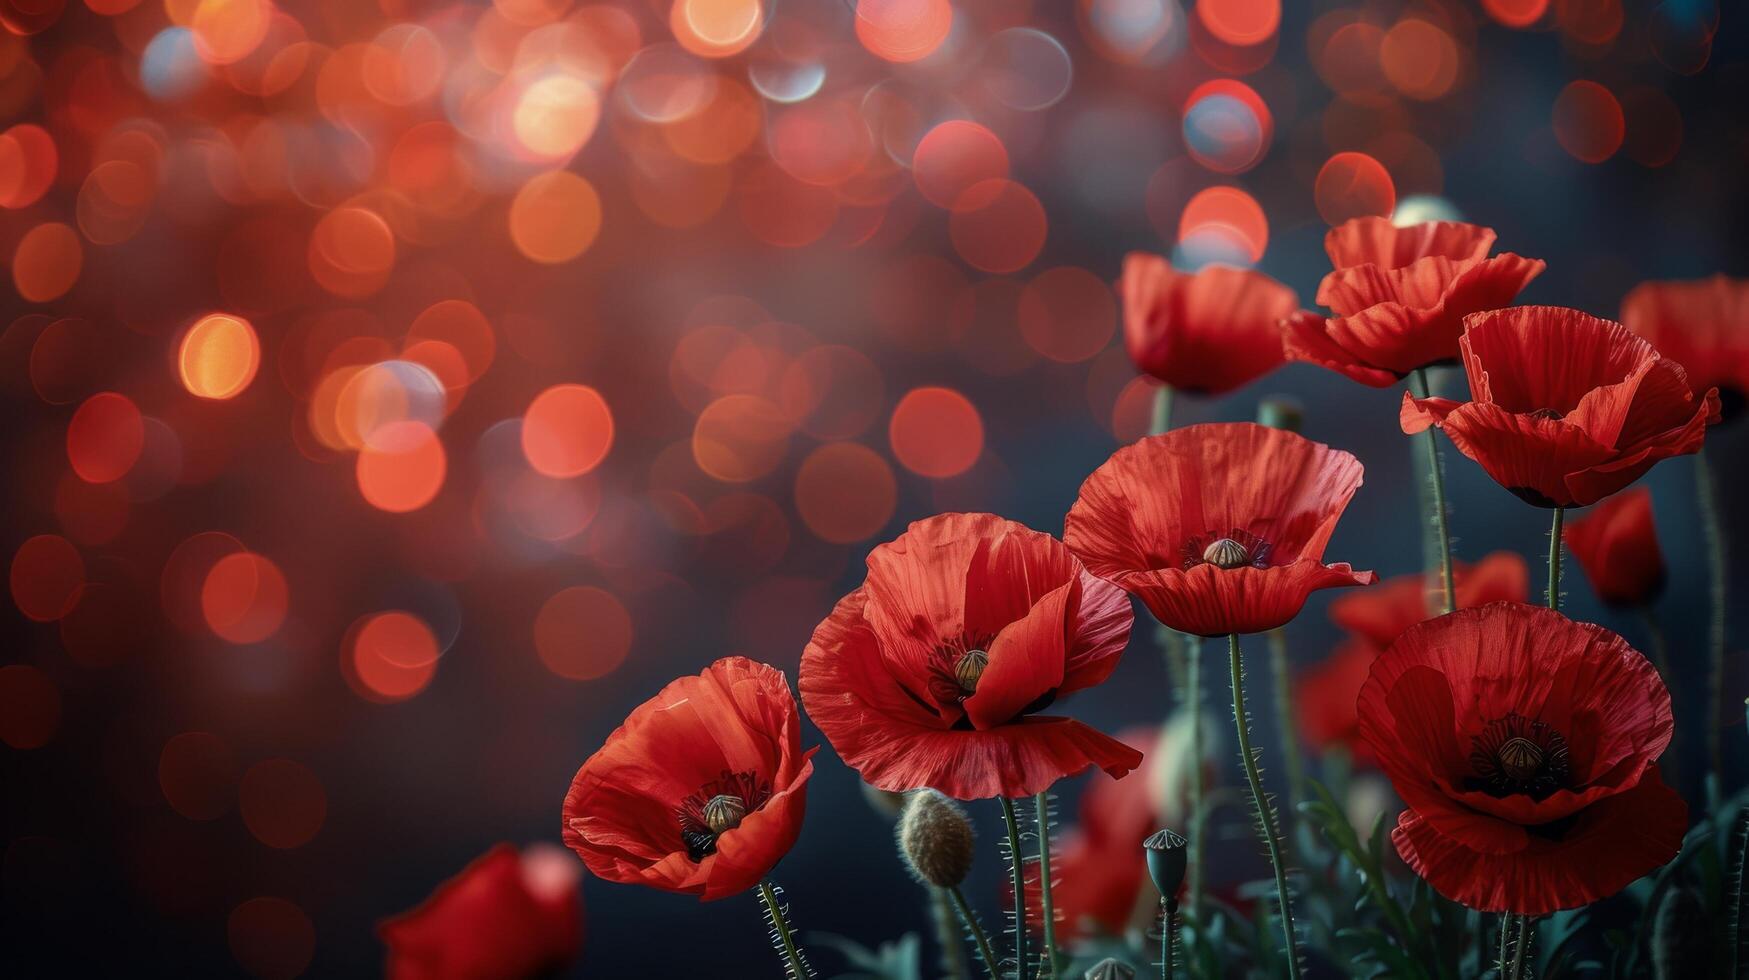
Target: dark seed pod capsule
(1166,860)
(936,839)
(1111,969)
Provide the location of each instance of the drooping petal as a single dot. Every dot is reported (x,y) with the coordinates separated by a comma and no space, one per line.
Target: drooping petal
(1606,848)
(1382,613)
(1535,458)
(1210,601)
(1306,337)
(1026,664)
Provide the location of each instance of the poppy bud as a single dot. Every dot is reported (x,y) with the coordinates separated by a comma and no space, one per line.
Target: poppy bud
(1281,412)
(1111,969)
(1166,861)
(936,839)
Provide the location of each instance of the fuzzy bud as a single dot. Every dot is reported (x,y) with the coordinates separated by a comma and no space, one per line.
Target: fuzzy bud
(1281,412)
(1111,969)
(935,839)
(1166,861)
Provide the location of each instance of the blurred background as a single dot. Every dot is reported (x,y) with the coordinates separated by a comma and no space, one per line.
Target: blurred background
(396,393)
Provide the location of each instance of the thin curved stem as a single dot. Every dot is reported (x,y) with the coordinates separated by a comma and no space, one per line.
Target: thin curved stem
(1017,871)
(1505,944)
(1436,479)
(1042,808)
(1161,421)
(1282,688)
(1555,559)
(1168,926)
(1526,930)
(1712,525)
(1193,707)
(950,939)
(797,967)
(1260,805)
(984,951)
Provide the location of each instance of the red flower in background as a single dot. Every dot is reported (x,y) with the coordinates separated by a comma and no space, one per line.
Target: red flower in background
(1324,694)
(1207,332)
(1702,325)
(1400,296)
(1617,545)
(1525,746)
(506,915)
(1567,408)
(932,672)
(1097,878)
(702,789)
(1218,528)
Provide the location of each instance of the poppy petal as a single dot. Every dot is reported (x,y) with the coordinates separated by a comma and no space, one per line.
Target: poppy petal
(1377,241)
(1305,337)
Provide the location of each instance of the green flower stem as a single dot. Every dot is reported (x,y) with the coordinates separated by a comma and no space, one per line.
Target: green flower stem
(1168,925)
(977,931)
(1436,479)
(1193,707)
(1017,871)
(1526,931)
(1712,525)
(1505,944)
(1161,420)
(1260,805)
(797,967)
(1555,559)
(950,939)
(1042,809)
(1284,717)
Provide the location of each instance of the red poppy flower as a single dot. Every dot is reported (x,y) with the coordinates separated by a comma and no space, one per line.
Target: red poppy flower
(1702,325)
(1381,615)
(1218,528)
(1207,332)
(701,791)
(506,915)
(1525,746)
(933,671)
(1400,296)
(1567,408)
(1325,693)
(1617,545)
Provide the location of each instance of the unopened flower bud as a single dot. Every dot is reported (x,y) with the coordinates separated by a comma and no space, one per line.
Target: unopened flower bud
(935,839)
(1111,969)
(1280,412)
(1166,861)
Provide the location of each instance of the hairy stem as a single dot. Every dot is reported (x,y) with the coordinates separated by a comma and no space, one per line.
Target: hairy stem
(1193,707)
(1042,809)
(1168,936)
(1712,525)
(794,965)
(1526,931)
(1555,559)
(1261,807)
(1284,717)
(1017,871)
(1436,479)
(972,926)
(947,936)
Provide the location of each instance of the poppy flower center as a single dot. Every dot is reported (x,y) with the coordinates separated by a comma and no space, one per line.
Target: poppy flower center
(717,808)
(1226,550)
(969,668)
(1548,414)
(1516,755)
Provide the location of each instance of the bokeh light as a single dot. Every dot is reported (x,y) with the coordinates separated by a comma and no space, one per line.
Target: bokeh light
(243,598)
(845,492)
(105,437)
(218,357)
(1588,122)
(283,803)
(936,432)
(1353,185)
(567,431)
(582,633)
